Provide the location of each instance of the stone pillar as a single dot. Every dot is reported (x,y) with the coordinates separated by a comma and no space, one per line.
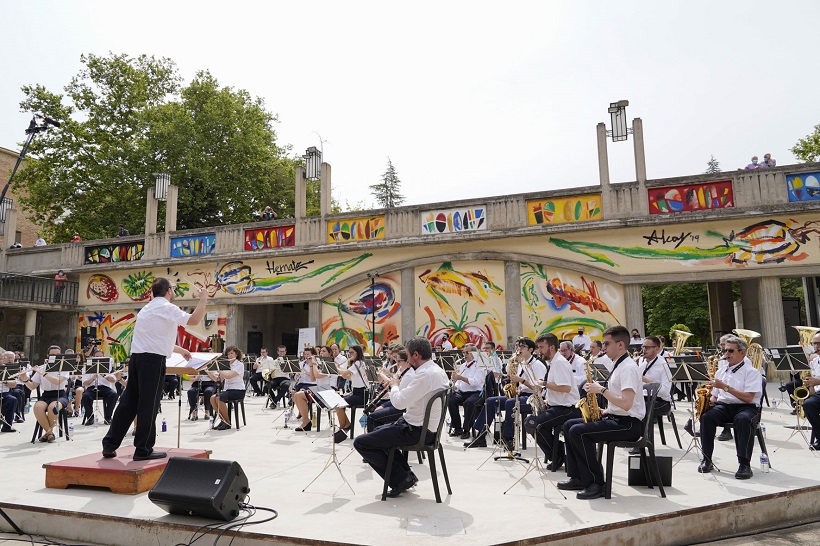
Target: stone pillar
(151,206)
(301,193)
(751,305)
(171,206)
(721,308)
(633,299)
(810,300)
(772,321)
(324,190)
(315,318)
(603,171)
(30,327)
(408,304)
(640,165)
(512,297)
(234,329)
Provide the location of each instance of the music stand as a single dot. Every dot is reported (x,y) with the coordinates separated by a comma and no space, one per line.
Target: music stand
(793,360)
(329,400)
(690,369)
(447,361)
(97,366)
(600,373)
(177,365)
(289,364)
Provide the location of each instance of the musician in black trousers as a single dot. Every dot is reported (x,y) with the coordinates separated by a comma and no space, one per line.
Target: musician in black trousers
(155,333)
(385,412)
(467,383)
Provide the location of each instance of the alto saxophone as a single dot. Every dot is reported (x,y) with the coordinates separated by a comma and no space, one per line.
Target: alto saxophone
(536,401)
(704,392)
(800,394)
(588,405)
(511,389)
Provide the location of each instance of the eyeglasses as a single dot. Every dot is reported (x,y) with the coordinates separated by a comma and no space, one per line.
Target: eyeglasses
(649,346)
(730,351)
(815,342)
(605,343)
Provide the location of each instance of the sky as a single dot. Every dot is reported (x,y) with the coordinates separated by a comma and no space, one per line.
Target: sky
(467,99)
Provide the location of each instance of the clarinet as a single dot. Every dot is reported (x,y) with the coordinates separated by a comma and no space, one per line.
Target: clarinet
(381,394)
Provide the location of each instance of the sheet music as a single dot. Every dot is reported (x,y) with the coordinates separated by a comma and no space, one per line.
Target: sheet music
(331,399)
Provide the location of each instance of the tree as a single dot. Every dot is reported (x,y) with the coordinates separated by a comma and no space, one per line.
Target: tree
(388,192)
(808,149)
(712,166)
(125,118)
(668,304)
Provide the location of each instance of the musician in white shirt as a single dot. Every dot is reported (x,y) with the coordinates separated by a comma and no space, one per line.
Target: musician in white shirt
(52,395)
(597,351)
(811,406)
(581,342)
(234,388)
(99,387)
(309,377)
(467,382)
(263,362)
(353,369)
(445,342)
(576,362)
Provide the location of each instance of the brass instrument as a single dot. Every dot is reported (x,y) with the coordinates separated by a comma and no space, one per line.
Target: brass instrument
(679,341)
(590,410)
(536,400)
(806,334)
(754,351)
(703,394)
(511,388)
(801,393)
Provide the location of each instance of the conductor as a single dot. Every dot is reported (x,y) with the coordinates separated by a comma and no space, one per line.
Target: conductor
(155,334)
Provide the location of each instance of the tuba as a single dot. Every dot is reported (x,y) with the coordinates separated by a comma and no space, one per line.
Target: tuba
(590,410)
(806,333)
(679,341)
(754,352)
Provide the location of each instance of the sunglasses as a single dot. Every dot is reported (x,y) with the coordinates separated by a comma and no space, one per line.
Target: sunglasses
(730,351)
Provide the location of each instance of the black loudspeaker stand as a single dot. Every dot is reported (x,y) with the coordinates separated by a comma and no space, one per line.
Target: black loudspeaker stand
(206,488)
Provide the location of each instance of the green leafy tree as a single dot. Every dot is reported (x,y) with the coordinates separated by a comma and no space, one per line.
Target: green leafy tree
(388,191)
(668,304)
(712,166)
(808,149)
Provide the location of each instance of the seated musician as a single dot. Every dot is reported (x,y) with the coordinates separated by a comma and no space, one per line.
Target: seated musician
(52,396)
(263,363)
(170,385)
(308,378)
(811,406)
(735,397)
(576,362)
(562,396)
(467,383)
(99,387)
(75,389)
(352,370)
(10,402)
(232,391)
(202,385)
(621,420)
(655,370)
(384,411)
(597,351)
(341,358)
(521,379)
(279,383)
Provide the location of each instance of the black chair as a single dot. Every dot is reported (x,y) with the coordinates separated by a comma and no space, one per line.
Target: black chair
(62,425)
(671,416)
(644,443)
(235,405)
(758,431)
(439,396)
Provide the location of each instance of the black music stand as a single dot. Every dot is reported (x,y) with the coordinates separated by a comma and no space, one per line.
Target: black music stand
(329,400)
(690,369)
(97,366)
(289,365)
(447,361)
(189,367)
(600,373)
(793,360)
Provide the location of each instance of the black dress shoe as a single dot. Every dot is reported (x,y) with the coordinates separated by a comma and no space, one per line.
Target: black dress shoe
(405,484)
(782,388)
(465,435)
(705,467)
(744,472)
(456,432)
(572,484)
(815,446)
(152,455)
(725,436)
(481,441)
(109,454)
(688,428)
(305,428)
(339,436)
(7,429)
(593,491)
(223,426)
(556,465)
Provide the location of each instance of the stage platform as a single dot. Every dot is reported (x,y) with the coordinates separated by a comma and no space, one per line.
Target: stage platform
(280,463)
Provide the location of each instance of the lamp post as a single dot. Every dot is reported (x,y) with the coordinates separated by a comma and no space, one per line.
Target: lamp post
(372,277)
(617,113)
(313,163)
(161,183)
(5,207)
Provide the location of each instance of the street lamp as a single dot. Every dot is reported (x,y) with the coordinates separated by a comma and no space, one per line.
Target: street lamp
(313,163)
(617,112)
(5,206)
(161,183)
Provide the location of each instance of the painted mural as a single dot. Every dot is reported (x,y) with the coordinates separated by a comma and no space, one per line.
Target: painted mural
(193,245)
(463,299)
(352,316)
(356,229)
(125,252)
(803,187)
(454,220)
(564,209)
(271,237)
(559,301)
(734,244)
(115,330)
(223,279)
(714,195)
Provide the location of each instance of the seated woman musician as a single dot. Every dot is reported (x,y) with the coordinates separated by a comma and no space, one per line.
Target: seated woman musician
(384,411)
(201,384)
(309,377)
(234,388)
(52,396)
(354,371)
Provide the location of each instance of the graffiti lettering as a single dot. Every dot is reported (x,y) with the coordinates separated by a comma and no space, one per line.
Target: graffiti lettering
(291,267)
(667,239)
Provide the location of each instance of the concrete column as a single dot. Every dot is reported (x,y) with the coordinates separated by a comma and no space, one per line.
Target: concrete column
(234,329)
(721,308)
(171,206)
(324,190)
(772,321)
(640,165)
(30,327)
(751,305)
(810,299)
(408,304)
(633,298)
(301,193)
(315,318)
(603,171)
(151,209)
(512,297)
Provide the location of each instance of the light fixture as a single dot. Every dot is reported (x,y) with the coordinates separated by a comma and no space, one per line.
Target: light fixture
(5,206)
(161,183)
(313,163)
(617,112)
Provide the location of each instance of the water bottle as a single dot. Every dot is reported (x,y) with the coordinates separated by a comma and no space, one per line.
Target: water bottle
(210,421)
(71,428)
(363,422)
(164,425)
(287,417)
(28,407)
(764,462)
(763,430)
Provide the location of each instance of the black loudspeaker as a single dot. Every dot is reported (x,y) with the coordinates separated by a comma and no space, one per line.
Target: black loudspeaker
(205,488)
(636,475)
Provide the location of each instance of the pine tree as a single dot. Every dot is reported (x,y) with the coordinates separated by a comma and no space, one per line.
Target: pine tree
(388,192)
(713,166)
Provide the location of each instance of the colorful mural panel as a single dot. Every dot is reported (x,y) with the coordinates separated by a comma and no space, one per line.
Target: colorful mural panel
(193,245)
(454,220)
(803,187)
(125,252)
(356,229)
(462,299)
(354,315)
(559,301)
(714,195)
(272,237)
(564,209)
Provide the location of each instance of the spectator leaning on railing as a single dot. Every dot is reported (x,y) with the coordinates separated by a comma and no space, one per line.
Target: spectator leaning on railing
(768,161)
(753,164)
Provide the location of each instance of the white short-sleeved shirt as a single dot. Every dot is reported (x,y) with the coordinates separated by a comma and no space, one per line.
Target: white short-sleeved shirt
(237,382)
(815,370)
(156,328)
(427,379)
(539,370)
(744,379)
(657,371)
(627,375)
(561,374)
(46,385)
(583,340)
(357,381)
(475,377)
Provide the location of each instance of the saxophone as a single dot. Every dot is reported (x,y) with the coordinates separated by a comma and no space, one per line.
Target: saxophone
(536,401)
(704,392)
(801,393)
(590,410)
(511,389)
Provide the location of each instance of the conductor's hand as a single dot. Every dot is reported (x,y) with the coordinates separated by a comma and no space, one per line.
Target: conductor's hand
(186,354)
(201,293)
